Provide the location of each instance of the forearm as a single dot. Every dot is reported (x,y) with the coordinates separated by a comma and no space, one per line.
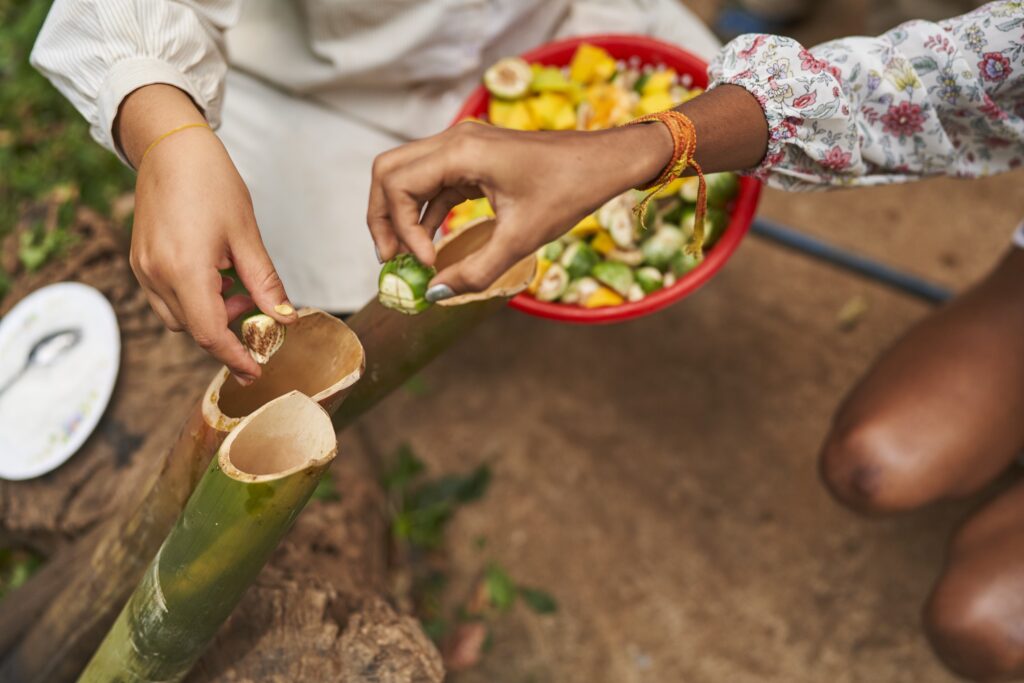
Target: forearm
(149,112)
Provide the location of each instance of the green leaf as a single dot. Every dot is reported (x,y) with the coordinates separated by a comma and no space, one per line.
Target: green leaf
(500,588)
(406,468)
(417,386)
(539,601)
(325,490)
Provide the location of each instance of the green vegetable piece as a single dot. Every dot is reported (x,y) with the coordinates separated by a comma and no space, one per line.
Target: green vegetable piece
(552,250)
(682,263)
(641,82)
(579,259)
(580,290)
(722,187)
(715,222)
(649,279)
(659,249)
(551,79)
(403,284)
(617,276)
(553,284)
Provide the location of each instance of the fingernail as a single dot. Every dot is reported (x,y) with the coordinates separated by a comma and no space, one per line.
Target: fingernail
(285,309)
(245,380)
(439,293)
(377,252)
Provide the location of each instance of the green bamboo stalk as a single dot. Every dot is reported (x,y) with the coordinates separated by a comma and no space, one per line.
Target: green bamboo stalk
(251,493)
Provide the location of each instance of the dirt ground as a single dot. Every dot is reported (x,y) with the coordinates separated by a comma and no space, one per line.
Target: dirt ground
(658,477)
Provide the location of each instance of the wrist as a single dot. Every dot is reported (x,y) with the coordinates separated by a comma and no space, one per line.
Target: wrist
(640,152)
(150,112)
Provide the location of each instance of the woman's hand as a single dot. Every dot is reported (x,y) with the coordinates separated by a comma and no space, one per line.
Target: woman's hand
(540,184)
(193,218)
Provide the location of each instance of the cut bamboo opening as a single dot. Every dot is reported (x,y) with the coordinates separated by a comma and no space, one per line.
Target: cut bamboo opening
(264,473)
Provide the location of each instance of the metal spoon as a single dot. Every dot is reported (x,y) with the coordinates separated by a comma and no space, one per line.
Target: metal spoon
(45,352)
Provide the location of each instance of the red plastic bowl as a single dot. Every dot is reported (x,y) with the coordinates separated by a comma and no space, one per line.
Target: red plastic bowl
(650,51)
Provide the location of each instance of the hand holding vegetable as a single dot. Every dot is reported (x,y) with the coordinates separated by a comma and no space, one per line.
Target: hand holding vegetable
(193,218)
(539,183)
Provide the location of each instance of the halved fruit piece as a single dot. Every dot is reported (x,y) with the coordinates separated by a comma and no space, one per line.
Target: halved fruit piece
(508,78)
(403,284)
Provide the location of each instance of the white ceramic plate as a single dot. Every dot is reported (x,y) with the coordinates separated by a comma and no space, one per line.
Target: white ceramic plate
(48,414)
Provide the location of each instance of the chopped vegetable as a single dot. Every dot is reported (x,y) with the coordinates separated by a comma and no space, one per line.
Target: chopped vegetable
(722,187)
(508,78)
(542,267)
(403,284)
(603,297)
(683,262)
(579,258)
(552,250)
(659,249)
(617,276)
(553,284)
(631,257)
(636,293)
(586,227)
(580,290)
(603,243)
(649,279)
(591,64)
(514,114)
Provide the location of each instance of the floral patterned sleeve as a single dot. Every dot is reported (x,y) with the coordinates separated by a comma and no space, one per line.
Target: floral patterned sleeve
(923,99)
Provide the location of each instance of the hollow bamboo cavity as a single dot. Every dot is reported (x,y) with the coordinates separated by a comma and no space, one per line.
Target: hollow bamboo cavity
(398,346)
(249,496)
(322,358)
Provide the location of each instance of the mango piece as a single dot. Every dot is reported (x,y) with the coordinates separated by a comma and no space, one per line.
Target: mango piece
(542,267)
(650,104)
(591,64)
(552,111)
(586,227)
(603,243)
(603,297)
(659,82)
(469,210)
(510,114)
(609,106)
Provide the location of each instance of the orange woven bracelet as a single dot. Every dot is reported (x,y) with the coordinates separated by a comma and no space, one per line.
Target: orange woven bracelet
(684,150)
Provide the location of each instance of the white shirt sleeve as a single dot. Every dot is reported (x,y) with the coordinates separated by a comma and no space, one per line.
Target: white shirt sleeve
(96,52)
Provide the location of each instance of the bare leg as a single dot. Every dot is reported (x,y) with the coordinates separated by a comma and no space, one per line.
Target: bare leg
(941,413)
(975,615)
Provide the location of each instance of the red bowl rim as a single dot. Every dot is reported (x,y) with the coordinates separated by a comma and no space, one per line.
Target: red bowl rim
(741,216)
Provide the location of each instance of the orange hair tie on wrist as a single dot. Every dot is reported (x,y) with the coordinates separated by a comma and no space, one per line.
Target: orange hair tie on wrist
(684,150)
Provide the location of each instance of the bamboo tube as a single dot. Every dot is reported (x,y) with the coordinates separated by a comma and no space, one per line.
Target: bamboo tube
(251,493)
(398,346)
(321,357)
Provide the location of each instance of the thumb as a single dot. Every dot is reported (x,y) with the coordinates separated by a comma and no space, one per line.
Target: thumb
(259,276)
(477,271)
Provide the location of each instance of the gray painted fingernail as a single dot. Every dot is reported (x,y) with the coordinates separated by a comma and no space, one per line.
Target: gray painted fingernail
(439,293)
(377,252)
